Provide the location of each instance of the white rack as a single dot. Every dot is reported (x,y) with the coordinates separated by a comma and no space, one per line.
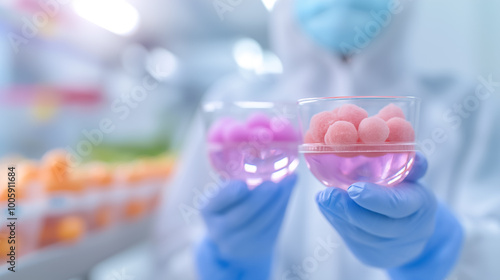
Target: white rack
(63,262)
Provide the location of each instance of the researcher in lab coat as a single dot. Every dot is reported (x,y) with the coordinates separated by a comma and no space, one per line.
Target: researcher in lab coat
(443,221)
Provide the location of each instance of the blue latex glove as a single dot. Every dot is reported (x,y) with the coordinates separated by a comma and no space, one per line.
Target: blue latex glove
(402,228)
(242,228)
(336,24)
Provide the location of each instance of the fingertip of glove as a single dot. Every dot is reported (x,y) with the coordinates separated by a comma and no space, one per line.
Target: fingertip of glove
(419,168)
(328,197)
(355,190)
(321,197)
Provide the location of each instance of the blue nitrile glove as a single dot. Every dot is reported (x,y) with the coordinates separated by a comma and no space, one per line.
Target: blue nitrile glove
(242,228)
(402,228)
(337,24)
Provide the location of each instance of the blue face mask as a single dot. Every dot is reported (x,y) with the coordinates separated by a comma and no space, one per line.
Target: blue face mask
(345,26)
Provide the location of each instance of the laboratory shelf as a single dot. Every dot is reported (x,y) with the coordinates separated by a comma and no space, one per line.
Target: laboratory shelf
(63,262)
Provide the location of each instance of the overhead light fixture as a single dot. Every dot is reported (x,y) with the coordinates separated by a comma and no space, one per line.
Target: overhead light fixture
(117,16)
(161,63)
(269,4)
(248,54)
(271,64)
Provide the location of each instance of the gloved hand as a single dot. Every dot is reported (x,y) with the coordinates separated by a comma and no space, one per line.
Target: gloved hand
(402,228)
(242,228)
(339,24)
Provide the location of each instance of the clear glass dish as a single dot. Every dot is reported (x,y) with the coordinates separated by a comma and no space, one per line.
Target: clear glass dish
(341,165)
(252,141)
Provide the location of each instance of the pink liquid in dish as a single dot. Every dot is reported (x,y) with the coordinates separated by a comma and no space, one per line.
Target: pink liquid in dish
(342,170)
(254,163)
(346,145)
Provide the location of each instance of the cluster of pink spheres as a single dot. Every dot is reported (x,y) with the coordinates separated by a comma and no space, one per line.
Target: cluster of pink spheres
(350,124)
(257,128)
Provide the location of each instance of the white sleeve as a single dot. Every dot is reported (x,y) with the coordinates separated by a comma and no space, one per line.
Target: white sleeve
(481,250)
(308,69)
(478,201)
(178,223)
(312,70)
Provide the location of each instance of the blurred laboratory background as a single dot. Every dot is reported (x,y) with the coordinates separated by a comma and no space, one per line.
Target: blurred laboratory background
(97,98)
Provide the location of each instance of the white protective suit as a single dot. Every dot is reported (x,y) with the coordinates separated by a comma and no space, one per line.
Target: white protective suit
(461,148)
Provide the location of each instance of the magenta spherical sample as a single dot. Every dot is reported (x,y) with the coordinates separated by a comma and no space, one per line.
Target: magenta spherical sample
(236,132)
(216,134)
(258,120)
(400,130)
(260,135)
(352,113)
(373,130)
(320,124)
(283,130)
(391,111)
(216,131)
(341,132)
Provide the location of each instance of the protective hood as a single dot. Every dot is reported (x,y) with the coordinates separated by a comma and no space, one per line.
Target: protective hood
(310,69)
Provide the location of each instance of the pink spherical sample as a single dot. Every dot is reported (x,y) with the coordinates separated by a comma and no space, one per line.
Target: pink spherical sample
(216,131)
(320,124)
(258,120)
(216,134)
(341,132)
(400,130)
(352,113)
(373,130)
(236,132)
(283,130)
(391,111)
(336,111)
(261,135)
(308,139)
